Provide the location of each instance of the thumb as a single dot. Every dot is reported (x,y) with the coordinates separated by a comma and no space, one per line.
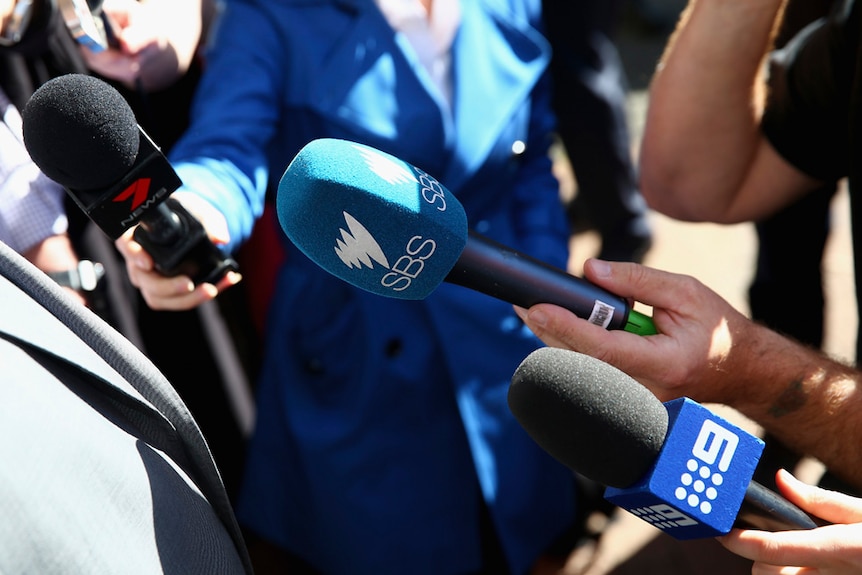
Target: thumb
(207,214)
(831,506)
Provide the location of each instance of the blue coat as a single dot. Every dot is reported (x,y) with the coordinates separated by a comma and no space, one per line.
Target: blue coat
(382,423)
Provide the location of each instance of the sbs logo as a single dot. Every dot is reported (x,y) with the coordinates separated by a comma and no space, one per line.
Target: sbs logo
(357,248)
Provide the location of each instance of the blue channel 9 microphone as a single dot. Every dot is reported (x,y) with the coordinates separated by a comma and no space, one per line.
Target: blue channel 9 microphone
(676,465)
(83,135)
(389,228)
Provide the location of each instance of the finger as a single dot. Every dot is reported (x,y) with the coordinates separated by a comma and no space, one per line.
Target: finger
(229,279)
(764,569)
(832,506)
(647,285)
(133,252)
(175,294)
(561,328)
(558,327)
(819,548)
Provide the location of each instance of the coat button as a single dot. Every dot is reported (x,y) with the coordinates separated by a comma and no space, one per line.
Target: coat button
(394,347)
(314,366)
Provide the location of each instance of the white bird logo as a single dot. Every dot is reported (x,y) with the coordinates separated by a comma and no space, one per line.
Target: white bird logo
(385,168)
(358,247)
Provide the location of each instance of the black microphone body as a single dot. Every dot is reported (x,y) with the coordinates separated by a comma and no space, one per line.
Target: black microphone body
(514,277)
(766,510)
(82,134)
(173,237)
(392,229)
(676,465)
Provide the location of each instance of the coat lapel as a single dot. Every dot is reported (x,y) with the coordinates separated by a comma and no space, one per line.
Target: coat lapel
(371,85)
(498,61)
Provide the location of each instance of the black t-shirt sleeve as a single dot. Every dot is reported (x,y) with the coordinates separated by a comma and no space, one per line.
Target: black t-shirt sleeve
(807,114)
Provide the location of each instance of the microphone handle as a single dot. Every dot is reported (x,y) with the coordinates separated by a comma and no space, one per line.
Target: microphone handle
(178,244)
(766,510)
(496,270)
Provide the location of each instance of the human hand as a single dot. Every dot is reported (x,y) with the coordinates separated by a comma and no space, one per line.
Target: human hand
(830,550)
(688,357)
(178,292)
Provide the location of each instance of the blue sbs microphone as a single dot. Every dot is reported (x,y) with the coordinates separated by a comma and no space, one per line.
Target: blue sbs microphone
(676,465)
(389,228)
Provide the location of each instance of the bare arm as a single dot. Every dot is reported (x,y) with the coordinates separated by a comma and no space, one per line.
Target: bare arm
(708,351)
(703,156)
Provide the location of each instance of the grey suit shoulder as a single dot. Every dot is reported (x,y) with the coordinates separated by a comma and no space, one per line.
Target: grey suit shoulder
(102,468)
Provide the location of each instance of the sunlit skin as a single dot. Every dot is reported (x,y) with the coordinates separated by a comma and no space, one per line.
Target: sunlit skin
(704,157)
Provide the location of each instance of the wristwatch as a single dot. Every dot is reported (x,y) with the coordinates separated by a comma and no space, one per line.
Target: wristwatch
(83,278)
(17,23)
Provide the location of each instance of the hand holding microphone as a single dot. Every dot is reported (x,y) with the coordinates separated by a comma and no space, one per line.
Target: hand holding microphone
(702,337)
(676,465)
(177,292)
(83,135)
(833,549)
(389,228)
(680,467)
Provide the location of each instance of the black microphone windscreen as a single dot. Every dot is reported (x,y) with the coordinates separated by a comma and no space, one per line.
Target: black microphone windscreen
(589,415)
(80,132)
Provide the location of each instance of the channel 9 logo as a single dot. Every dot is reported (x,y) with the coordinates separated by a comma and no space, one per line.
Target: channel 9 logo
(703,477)
(699,479)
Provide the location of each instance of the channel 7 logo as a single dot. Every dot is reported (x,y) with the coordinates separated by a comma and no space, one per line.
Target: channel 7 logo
(698,482)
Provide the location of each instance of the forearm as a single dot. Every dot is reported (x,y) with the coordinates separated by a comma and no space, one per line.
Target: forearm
(702,130)
(809,402)
(53,254)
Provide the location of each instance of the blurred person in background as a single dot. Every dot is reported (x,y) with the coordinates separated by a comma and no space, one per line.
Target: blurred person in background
(589,98)
(32,216)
